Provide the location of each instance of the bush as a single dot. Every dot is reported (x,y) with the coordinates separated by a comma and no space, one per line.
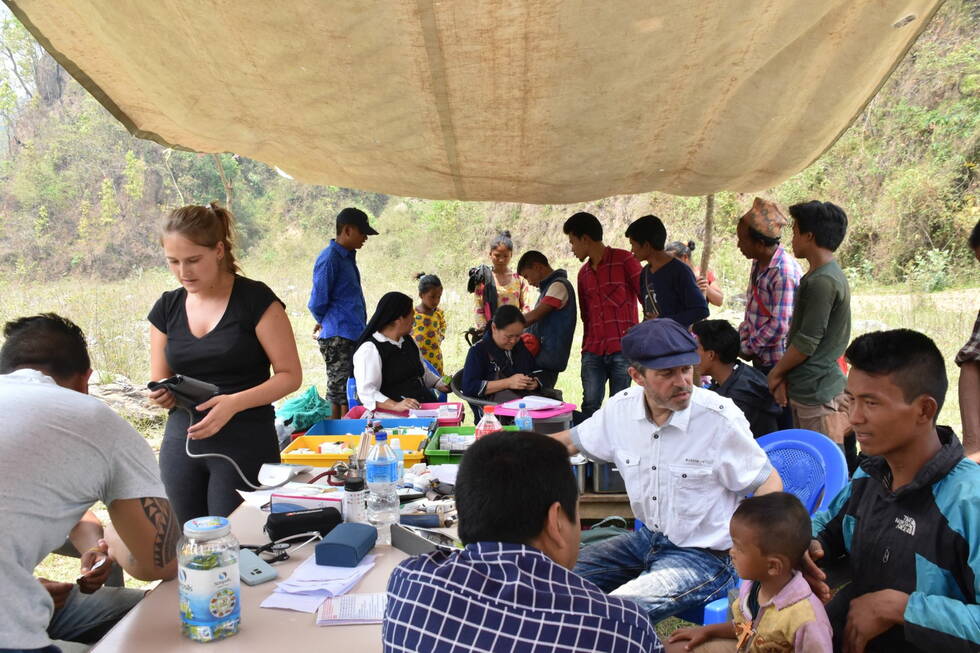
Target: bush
(929,270)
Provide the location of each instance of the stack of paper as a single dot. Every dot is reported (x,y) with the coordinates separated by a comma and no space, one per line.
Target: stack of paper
(310,584)
(532,402)
(352,609)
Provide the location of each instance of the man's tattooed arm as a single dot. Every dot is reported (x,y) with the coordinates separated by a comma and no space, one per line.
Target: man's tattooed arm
(164,521)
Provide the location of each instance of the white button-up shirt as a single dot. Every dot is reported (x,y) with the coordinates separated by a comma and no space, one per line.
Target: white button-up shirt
(685,478)
(367,372)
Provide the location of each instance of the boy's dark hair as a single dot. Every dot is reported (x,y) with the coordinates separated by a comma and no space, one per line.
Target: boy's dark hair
(47,342)
(507,315)
(720,337)
(507,482)
(827,222)
(530,258)
(911,359)
(583,224)
(975,236)
(648,229)
(781,524)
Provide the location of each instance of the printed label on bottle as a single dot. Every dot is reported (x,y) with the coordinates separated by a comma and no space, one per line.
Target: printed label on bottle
(211,598)
(382,472)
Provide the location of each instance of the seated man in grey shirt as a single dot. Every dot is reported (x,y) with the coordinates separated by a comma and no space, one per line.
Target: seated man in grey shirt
(90,454)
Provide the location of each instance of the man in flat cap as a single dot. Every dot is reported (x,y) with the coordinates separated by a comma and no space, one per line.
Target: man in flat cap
(773,281)
(687,458)
(337,303)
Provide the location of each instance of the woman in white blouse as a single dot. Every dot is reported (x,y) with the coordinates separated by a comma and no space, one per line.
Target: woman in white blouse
(388,367)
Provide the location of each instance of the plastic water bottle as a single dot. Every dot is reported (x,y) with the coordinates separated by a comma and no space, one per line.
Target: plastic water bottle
(207,560)
(382,477)
(523,420)
(396,448)
(488,423)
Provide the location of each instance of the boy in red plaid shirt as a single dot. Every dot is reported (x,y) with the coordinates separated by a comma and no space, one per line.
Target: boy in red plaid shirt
(608,290)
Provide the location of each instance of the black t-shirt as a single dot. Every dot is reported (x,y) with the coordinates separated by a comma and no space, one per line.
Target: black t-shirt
(230,355)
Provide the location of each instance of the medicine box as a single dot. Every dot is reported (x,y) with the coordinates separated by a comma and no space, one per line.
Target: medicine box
(305,498)
(450,413)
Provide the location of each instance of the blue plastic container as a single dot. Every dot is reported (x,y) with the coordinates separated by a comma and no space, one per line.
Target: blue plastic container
(356,426)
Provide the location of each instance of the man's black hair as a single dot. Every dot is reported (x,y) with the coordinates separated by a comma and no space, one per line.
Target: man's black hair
(47,342)
(506,484)
(911,359)
(648,229)
(720,337)
(826,221)
(506,315)
(583,224)
(975,236)
(530,258)
(780,522)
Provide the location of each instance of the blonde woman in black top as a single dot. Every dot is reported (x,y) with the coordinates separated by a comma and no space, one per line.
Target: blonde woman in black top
(228,330)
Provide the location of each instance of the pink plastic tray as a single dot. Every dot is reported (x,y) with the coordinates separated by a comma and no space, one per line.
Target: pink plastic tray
(357,412)
(564,409)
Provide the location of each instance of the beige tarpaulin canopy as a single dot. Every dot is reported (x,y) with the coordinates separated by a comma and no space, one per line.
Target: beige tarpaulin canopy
(543,101)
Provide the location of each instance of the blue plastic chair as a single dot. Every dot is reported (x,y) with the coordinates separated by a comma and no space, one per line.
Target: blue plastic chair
(432,368)
(812,468)
(798,454)
(352,393)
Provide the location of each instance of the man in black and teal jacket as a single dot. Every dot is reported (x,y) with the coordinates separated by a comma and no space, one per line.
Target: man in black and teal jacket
(908,523)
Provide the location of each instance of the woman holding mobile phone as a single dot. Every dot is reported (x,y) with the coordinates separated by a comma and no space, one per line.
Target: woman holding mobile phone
(222,328)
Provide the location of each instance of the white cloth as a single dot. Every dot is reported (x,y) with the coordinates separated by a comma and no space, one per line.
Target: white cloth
(685,478)
(367,372)
(60,452)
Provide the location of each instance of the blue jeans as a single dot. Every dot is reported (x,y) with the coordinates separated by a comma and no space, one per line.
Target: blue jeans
(663,578)
(596,370)
(87,617)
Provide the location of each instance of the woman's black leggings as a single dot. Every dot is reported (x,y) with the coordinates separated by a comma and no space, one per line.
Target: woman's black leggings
(198,487)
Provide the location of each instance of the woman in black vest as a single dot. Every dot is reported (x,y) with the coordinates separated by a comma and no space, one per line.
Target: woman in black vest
(388,367)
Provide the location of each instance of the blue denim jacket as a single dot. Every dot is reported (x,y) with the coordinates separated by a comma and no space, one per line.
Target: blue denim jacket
(337,301)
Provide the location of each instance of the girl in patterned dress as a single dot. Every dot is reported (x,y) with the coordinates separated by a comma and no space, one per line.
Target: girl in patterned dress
(429,328)
(510,287)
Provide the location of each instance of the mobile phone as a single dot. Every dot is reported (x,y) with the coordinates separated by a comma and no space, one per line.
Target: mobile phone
(94,567)
(253,569)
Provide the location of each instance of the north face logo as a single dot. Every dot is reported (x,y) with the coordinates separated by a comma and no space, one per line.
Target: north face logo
(905,524)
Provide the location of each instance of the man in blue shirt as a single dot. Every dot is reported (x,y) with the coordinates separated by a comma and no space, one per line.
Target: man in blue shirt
(337,303)
(511,588)
(667,285)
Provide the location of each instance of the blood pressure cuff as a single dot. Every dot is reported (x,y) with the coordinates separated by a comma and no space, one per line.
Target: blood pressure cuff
(286,524)
(346,545)
(188,392)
